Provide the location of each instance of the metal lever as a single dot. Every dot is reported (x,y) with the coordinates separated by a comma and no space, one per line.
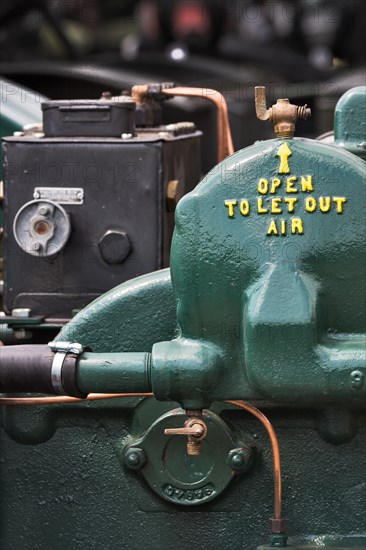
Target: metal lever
(196,430)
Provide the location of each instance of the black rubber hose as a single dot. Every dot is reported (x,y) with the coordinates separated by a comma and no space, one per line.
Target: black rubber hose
(27,369)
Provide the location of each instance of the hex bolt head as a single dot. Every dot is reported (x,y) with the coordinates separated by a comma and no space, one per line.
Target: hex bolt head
(240,459)
(135,458)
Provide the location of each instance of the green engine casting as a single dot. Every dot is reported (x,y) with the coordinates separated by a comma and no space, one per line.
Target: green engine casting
(264,302)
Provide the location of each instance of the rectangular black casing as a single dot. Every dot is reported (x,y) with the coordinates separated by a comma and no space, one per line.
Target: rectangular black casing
(125,186)
(89,118)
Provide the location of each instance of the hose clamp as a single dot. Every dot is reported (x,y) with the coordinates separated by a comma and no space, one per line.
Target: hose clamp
(61,349)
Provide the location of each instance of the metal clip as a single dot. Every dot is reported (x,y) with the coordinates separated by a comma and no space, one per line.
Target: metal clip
(61,349)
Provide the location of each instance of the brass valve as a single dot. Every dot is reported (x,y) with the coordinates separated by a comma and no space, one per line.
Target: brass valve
(196,430)
(283,114)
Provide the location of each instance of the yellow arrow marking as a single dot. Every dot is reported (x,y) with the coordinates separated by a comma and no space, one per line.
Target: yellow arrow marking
(284,152)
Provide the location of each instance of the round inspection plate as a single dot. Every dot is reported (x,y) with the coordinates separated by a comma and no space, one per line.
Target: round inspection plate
(41,228)
(178,477)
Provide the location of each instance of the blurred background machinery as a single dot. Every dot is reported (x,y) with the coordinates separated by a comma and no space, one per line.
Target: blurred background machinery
(310,50)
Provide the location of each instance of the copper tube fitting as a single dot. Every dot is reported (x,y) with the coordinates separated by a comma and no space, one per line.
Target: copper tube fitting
(283,114)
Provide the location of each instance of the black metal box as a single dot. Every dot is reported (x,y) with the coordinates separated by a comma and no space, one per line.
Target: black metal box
(117,197)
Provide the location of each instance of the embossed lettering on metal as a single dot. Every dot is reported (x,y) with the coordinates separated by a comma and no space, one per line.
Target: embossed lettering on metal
(61,195)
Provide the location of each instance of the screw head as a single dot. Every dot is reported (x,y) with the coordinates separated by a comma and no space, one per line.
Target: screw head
(240,459)
(36,247)
(135,458)
(43,210)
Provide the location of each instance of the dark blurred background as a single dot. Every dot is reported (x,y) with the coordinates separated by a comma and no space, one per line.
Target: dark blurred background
(311,51)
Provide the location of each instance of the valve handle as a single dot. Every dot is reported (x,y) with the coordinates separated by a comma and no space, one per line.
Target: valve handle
(196,430)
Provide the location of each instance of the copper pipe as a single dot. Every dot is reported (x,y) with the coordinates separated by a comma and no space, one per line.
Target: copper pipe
(54,400)
(275,452)
(225,146)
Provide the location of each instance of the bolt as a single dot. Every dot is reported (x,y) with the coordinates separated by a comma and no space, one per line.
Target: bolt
(79,196)
(135,458)
(357,379)
(237,461)
(43,210)
(240,459)
(36,247)
(36,195)
(126,136)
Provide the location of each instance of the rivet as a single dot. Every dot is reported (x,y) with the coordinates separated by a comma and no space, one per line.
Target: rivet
(357,379)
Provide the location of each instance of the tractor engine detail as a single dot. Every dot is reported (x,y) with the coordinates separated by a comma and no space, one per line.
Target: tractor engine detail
(219,403)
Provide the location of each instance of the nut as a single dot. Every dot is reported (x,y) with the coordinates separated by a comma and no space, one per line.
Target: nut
(135,458)
(240,459)
(278,526)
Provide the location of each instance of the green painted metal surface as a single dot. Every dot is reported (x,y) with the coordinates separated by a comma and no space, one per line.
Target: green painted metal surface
(350,121)
(131,317)
(271,309)
(280,294)
(63,483)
